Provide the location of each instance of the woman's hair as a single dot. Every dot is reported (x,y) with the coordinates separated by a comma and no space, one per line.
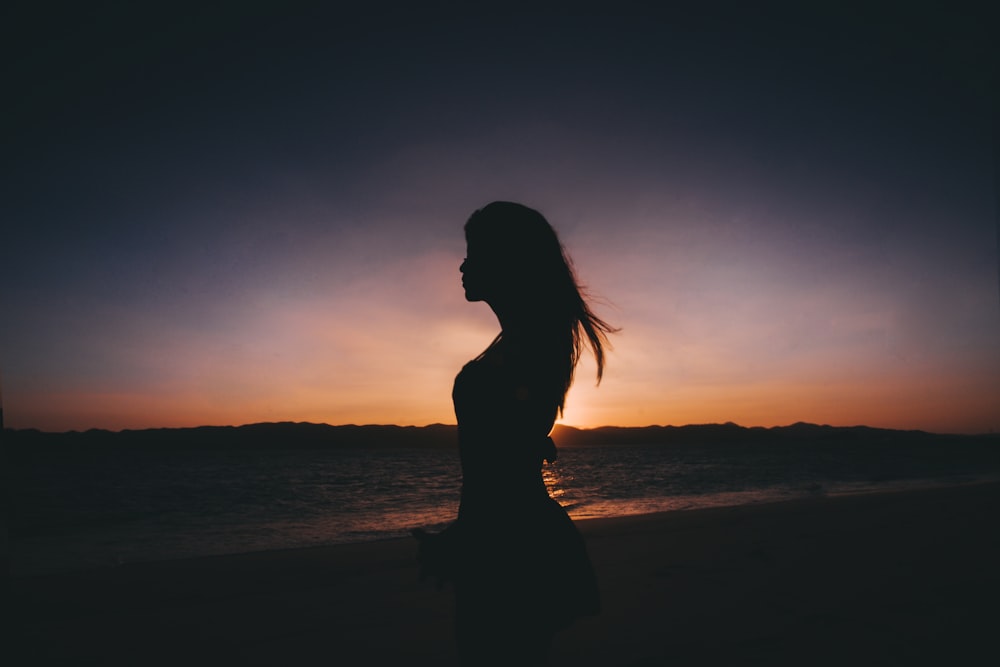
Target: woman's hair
(537,278)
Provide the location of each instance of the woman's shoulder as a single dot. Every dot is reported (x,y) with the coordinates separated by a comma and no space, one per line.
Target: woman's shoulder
(534,356)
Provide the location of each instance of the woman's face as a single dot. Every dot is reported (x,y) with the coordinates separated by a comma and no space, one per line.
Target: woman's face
(479,275)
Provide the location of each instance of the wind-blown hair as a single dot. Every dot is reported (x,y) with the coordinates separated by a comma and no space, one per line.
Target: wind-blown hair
(539,282)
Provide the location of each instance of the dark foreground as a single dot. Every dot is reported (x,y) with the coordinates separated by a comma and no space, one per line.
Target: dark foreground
(907,578)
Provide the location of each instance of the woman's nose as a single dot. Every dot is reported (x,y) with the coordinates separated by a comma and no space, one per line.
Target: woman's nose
(462,266)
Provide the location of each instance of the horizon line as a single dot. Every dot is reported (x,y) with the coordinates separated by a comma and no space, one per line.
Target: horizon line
(451,425)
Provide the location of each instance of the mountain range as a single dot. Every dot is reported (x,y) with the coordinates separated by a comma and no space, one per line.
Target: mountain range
(305,435)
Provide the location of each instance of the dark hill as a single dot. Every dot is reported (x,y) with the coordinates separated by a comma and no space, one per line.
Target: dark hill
(303,435)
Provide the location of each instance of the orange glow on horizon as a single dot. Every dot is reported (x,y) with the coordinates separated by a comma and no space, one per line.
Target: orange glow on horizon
(887,405)
(385,350)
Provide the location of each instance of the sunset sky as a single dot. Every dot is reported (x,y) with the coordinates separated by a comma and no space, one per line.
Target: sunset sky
(247,214)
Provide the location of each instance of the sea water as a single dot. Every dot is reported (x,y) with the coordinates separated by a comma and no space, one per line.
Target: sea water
(85,509)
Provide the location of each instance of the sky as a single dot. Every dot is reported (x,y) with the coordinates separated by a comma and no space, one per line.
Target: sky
(248,212)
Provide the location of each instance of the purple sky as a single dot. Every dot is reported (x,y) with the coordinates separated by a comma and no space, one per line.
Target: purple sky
(239,215)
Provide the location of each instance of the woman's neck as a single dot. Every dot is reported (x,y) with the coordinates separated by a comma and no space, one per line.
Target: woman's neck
(511,322)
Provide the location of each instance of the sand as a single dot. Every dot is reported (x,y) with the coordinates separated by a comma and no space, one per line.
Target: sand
(881,579)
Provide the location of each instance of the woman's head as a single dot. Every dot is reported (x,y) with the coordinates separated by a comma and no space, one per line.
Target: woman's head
(515,258)
(516,263)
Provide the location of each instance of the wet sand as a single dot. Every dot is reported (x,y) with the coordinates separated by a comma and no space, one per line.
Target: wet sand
(903,578)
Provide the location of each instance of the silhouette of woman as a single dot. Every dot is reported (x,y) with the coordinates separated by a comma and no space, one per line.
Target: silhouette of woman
(518,564)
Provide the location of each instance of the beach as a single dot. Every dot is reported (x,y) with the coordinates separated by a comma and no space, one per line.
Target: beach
(905,577)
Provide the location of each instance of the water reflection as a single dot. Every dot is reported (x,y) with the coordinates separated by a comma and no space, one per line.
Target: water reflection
(555,480)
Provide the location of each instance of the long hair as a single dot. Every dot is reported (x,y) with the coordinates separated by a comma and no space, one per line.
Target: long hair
(539,280)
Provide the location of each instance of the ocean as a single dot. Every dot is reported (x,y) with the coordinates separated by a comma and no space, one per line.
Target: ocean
(83,509)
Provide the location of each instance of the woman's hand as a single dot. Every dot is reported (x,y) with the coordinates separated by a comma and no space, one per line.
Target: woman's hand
(437,555)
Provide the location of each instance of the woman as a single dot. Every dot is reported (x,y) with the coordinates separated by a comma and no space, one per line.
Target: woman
(518,565)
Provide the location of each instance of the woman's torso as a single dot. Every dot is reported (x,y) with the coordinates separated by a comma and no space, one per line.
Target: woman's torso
(504,419)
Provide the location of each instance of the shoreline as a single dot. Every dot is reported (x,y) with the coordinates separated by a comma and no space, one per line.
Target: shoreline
(20,566)
(874,578)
